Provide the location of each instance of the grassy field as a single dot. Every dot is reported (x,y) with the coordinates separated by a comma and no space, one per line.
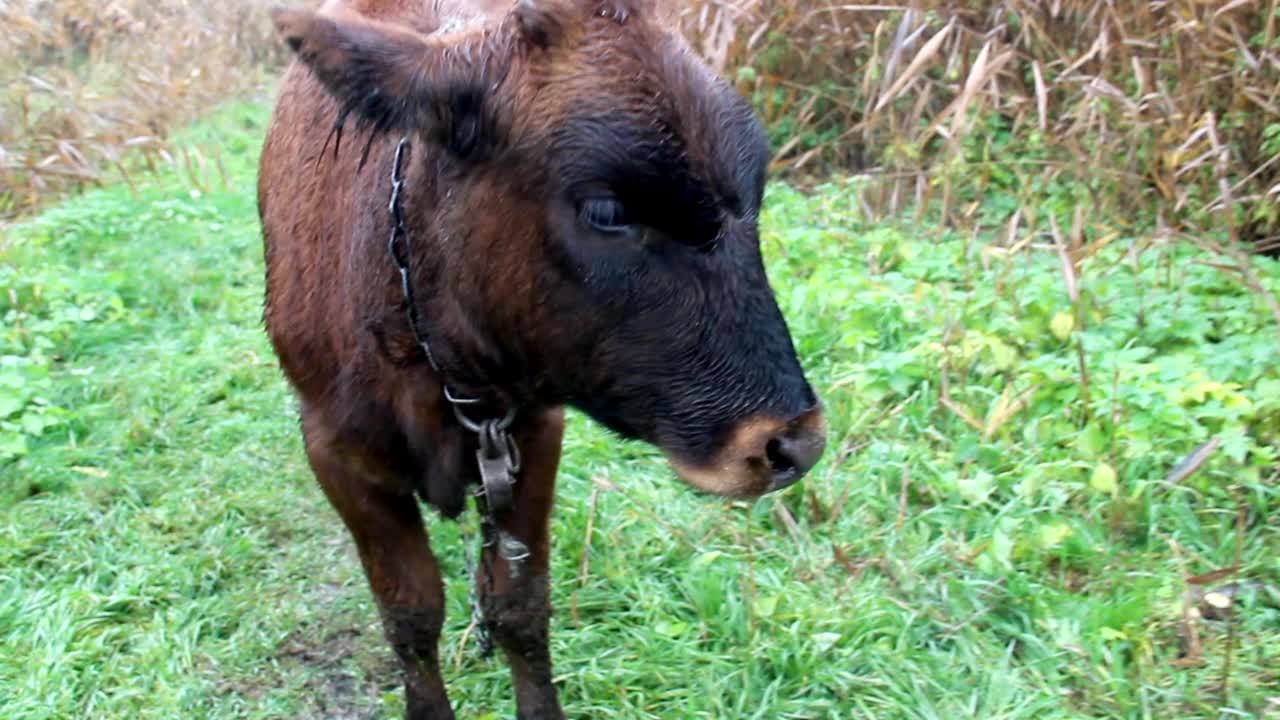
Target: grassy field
(994,533)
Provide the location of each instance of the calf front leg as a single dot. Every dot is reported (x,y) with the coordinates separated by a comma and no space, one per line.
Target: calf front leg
(402,572)
(516,596)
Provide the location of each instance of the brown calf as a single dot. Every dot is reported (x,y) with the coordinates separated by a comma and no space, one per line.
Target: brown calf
(578,197)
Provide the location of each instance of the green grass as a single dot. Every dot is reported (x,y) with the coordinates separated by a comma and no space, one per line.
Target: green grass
(165,553)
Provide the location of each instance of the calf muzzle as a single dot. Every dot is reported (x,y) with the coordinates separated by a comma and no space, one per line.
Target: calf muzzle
(762,453)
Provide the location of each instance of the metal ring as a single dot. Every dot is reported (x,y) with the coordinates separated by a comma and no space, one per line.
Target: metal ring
(512,548)
(465,421)
(503,423)
(457,399)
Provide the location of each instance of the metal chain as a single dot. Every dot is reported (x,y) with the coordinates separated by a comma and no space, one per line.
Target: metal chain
(484,641)
(398,246)
(498,457)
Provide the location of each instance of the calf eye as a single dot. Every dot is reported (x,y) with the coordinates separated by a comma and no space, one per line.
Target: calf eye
(605,214)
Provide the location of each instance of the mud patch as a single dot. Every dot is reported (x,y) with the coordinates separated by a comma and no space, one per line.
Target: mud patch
(344,671)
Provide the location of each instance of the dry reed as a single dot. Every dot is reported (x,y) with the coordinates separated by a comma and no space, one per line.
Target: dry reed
(91,89)
(1169,107)
(1076,109)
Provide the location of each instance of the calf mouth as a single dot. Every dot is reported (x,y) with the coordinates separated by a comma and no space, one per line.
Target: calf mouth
(762,454)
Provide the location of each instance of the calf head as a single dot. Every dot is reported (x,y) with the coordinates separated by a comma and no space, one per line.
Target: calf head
(587,225)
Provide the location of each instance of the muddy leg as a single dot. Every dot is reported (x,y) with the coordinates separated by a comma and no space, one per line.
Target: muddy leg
(518,607)
(403,574)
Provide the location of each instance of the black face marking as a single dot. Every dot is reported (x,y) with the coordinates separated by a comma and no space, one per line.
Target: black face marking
(682,344)
(643,166)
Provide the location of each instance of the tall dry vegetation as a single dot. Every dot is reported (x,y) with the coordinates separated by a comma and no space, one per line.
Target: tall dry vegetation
(90,88)
(1039,114)
(1035,115)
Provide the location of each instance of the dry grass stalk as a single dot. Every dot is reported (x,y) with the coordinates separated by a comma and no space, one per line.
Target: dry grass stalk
(1188,628)
(1229,652)
(1127,106)
(92,89)
(1131,105)
(584,563)
(1192,463)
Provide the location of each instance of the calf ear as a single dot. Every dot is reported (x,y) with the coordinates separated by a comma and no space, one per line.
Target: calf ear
(390,77)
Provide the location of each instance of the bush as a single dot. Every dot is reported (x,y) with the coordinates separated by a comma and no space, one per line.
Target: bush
(1164,112)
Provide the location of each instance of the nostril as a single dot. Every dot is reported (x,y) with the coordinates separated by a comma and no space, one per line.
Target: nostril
(780,462)
(794,451)
(784,467)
